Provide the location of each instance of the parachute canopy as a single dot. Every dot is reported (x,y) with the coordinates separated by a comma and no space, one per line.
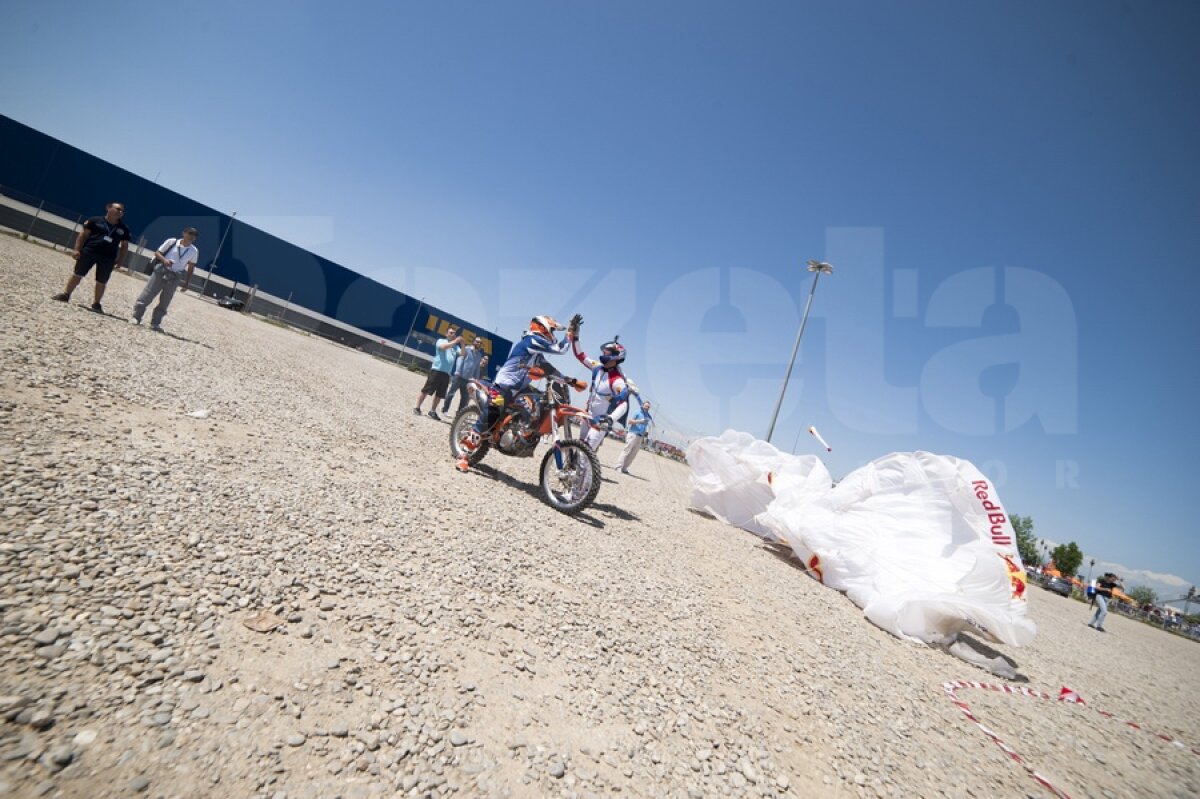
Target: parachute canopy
(919,541)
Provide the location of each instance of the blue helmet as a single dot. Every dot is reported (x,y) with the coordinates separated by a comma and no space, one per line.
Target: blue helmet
(612,353)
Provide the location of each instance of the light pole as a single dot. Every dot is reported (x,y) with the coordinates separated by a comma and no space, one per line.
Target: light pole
(818,268)
(213,266)
(411,325)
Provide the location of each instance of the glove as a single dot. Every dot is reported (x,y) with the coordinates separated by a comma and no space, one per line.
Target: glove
(579,385)
(632,386)
(573,325)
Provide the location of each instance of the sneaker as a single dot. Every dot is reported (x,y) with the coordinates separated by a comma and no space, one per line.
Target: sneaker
(434,415)
(61,296)
(463,464)
(417,411)
(1101,630)
(156,328)
(97,308)
(133,320)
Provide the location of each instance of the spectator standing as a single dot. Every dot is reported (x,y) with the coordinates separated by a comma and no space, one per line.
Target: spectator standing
(444,353)
(635,433)
(466,367)
(172,261)
(1104,591)
(103,243)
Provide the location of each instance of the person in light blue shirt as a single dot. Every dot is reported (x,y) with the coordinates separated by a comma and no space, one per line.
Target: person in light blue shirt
(636,428)
(466,367)
(444,353)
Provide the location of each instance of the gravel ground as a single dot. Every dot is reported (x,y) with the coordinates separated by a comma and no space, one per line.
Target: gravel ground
(440,633)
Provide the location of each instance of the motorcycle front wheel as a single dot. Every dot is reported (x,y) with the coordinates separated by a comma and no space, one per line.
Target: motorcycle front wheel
(573,485)
(463,424)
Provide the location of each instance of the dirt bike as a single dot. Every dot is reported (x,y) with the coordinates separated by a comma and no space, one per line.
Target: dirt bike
(570,472)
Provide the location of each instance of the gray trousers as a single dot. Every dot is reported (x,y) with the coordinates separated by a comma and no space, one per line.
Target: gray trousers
(458,384)
(633,445)
(162,283)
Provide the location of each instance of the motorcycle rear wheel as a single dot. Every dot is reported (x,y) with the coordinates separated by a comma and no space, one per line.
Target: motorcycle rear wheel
(461,425)
(573,487)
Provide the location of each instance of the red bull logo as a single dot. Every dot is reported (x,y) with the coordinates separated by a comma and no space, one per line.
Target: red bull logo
(1016,576)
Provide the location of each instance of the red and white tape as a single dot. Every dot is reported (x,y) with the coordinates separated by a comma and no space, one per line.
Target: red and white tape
(1064,695)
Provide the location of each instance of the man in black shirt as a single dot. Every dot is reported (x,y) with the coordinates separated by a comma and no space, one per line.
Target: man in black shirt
(103,243)
(1104,591)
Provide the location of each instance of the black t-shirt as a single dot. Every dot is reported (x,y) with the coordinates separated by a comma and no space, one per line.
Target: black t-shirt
(1105,586)
(103,237)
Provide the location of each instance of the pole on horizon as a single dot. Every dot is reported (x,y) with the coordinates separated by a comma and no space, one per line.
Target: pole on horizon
(213,266)
(818,268)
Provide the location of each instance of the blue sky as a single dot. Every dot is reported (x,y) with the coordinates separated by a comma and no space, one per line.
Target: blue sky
(1008,193)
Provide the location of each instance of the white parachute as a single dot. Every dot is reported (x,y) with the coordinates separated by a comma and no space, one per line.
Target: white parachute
(919,541)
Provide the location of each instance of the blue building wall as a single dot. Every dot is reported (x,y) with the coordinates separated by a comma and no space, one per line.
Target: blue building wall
(44,167)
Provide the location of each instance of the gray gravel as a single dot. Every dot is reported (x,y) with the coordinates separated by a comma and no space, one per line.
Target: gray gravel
(447,634)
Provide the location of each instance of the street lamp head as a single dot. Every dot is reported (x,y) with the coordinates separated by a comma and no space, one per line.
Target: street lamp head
(820,266)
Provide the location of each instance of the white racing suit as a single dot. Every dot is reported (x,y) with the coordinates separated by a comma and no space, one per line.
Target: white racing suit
(608,399)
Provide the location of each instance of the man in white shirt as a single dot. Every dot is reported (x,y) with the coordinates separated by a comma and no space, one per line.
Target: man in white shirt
(172,261)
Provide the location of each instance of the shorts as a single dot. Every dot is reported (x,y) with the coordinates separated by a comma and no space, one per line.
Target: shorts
(436,383)
(103,263)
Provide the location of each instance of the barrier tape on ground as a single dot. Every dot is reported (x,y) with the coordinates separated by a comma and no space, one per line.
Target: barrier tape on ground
(1065,695)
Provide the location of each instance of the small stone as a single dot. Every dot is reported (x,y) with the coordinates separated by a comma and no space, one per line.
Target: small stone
(47,636)
(557,769)
(262,621)
(60,757)
(297,739)
(457,738)
(139,784)
(85,738)
(41,720)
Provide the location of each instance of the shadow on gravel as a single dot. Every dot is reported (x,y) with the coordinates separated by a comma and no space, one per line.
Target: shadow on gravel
(784,553)
(612,511)
(169,334)
(986,653)
(125,321)
(615,512)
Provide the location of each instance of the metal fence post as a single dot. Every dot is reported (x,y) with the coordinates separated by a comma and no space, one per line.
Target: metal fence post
(70,245)
(33,221)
